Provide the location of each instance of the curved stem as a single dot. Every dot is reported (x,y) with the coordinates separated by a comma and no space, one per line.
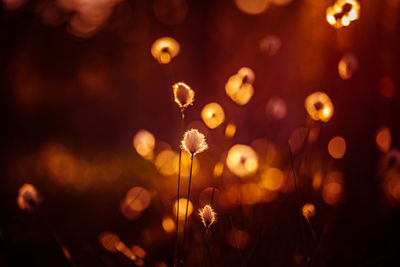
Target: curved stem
(187,206)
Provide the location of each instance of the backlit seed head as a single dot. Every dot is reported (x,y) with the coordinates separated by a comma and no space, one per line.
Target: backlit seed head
(208,216)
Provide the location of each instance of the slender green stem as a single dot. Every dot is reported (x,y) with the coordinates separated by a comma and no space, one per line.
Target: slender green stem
(187,206)
(177,195)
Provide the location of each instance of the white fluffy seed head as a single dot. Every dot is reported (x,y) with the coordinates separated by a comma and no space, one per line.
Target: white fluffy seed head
(194,142)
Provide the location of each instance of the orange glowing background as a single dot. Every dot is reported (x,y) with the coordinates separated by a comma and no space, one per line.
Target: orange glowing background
(298,101)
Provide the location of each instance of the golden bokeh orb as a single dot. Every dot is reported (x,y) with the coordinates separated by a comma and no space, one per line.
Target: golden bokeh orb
(272,179)
(252,7)
(182,208)
(168,224)
(383,139)
(144,142)
(230,130)
(242,160)
(348,64)
(319,106)
(342,13)
(337,147)
(213,115)
(164,49)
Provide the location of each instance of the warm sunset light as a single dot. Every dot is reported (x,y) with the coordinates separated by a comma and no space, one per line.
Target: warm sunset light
(187,133)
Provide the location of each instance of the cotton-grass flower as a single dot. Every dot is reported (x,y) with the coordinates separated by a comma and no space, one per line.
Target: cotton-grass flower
(308,210)
(183,95)
(28,198)
(208,216)
(194,142)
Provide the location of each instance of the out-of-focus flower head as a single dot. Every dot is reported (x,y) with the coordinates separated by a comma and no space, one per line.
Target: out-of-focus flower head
(239,87)
(342,13)
(213,115)
(319,106)
(208,216)
(164,49)
(28,198)
(308,210)
(183,95)
(194,142)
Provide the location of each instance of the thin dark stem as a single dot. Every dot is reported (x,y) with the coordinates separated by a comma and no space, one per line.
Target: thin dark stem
(212,194)
(66,253)
(177,195)
(297,194)
(187,206)
(294,176)
(312,230)
(208,248)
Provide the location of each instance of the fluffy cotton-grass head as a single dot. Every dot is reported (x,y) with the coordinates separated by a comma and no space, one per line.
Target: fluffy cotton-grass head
(28,198)
(183,94)
(208,216)
(194,142)
(308,210)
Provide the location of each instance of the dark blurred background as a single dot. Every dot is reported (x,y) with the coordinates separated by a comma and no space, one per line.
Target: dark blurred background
(78,82)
